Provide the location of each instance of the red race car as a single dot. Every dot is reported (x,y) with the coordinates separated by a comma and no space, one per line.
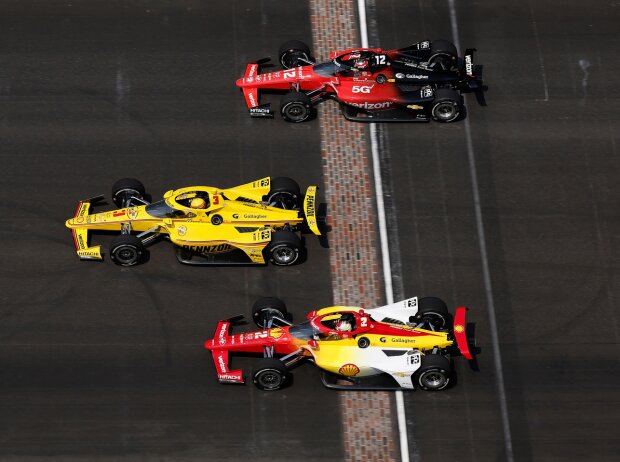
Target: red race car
(415,83)
(404,345)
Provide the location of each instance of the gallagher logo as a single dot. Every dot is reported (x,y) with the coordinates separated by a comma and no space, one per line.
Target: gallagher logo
(349,370)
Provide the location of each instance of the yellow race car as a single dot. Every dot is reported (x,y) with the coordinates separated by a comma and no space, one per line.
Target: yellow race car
(249,223)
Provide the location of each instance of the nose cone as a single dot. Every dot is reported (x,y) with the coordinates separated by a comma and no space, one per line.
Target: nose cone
(70,223)
(209,344)
(239,82)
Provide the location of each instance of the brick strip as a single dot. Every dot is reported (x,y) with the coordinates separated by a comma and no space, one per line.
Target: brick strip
(368,426)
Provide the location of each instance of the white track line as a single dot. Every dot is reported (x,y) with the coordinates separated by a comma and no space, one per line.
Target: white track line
(486,274)
(383,238)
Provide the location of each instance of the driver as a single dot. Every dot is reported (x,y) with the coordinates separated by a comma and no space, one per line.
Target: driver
(344,325)
(198,203)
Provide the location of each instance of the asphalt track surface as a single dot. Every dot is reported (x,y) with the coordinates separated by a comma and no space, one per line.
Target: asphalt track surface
(102,363)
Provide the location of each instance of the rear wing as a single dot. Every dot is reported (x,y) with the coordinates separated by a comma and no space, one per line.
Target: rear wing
(220,357)
(460,332)
(80,234)
(310,210)
(472,71)
(250,92)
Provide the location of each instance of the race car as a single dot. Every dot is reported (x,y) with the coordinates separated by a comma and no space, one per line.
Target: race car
(420,82)
(404,345)
(250,223)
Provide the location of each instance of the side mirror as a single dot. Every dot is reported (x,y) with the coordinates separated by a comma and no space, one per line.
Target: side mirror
(313,344)
(168,222)
(167,194)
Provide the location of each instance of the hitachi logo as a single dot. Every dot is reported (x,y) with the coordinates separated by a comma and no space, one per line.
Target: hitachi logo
(228,377)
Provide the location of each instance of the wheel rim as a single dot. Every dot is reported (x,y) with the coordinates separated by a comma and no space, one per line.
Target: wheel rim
(284,255)
(291,59)
(434,319)
(445,111)
(297,112)
(126,255)
(434,379)
(283,200)
(269,379)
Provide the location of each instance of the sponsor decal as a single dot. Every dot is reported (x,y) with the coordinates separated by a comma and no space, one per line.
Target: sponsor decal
(221,362)
(182,230)
(132,213)
(469,65)
(228,377)
(252,71)
(263,334)
(258,78)
(251,215)
(310,210)
(414,359)
(235,215)
(119,213)
(276,332)
(249,336)
(222,334)
(252,100)
(81,242)
(416,76)
(427,92)
(260,110)
(79,219)
(367,105)
(88,254)
(382,339)
(425,44)
(412,303)
(290,74)
(361,88)
(459,329)
(215,248)
(402,340)
(82,211)
(415,106)
(400,75)
(349,370)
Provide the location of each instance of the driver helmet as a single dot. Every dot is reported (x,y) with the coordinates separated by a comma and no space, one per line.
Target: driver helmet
(361,63)
(198,203)
(344,326)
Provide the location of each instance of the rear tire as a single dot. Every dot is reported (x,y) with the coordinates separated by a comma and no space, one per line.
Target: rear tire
(269,374)
(434,373)
(290,52)
(267,307)
(284,193)
(127,250)
(443,55)
(284,248)
(447,105)
(125,188)
(295,107)
(434,311)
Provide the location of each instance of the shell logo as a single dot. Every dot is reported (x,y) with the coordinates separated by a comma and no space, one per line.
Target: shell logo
(458,328)
(182,230)
(349,370)
(276,332)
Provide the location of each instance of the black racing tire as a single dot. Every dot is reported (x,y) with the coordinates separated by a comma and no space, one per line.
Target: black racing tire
(283,250)
(217,220)
(125,188)
(269,374)
(295,107)
(290,52)
(433,310)
(284,193)
(447,105)
(443,55)
(434,374)
(127,250)
(267,307)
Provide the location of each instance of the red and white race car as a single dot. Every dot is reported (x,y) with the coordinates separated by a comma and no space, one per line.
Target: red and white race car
(415,83)
(404,345)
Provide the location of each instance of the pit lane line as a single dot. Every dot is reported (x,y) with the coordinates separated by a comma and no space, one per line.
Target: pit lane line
(383,238)
(486,274)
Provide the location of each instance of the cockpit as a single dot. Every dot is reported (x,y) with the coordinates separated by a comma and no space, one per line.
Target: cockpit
(351,62)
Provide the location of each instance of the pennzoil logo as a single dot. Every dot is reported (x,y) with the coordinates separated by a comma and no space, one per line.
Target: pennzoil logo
(216,248)
(349,370)
(310,200)
(132,213)
(276,332)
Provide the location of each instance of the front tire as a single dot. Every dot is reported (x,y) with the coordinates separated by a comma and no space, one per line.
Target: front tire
(266,308)
(127,250)
(269,374)
(291,52)
(447,105)
(284,193)
(295,107)
(124,189)
(434,373)
(284,248)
